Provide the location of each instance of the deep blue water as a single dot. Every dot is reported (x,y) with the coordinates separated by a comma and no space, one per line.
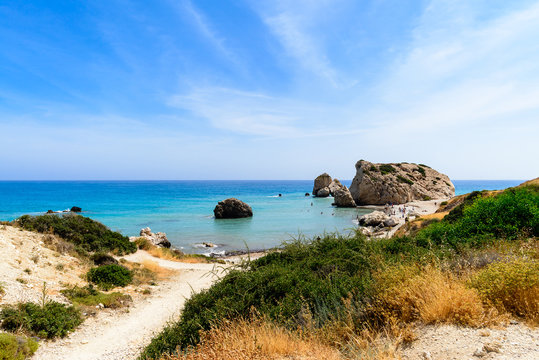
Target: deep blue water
(184,209)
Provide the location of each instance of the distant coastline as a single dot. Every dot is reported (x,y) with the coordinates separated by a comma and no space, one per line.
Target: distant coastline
(183,209)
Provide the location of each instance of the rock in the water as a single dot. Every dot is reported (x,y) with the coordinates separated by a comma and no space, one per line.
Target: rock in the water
(158,239)
(343,198)
(323,192)
(76,209)
(321,181)
(373,219)
(232,209)
(50,212)
(307,194)
(334,186)
(379,184)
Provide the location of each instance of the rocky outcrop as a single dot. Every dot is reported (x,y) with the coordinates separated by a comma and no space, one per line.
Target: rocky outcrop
(76,209)
(321,181)
(379,184)
(158,239)
(334,186)
(343,197)
(232,209)
(323,192)
(374,218)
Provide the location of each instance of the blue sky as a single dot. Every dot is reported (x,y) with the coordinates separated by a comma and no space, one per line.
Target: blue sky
(245,89)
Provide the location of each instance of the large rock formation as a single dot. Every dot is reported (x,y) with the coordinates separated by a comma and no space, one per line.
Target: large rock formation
(321,181)
(158,239)
(378,184)
(334,186)
(343,197)
(232,209)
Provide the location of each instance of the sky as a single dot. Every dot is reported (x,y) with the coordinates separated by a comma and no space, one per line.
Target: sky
(250,89)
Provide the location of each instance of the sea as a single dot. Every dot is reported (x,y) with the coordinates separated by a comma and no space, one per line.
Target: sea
(184,209)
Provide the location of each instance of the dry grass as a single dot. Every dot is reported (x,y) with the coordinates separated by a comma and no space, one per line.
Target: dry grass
(170,254)
(147,272)
(511,286)
(430,296)
(256,340)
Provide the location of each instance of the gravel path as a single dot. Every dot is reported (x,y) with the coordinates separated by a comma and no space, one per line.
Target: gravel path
(123,334)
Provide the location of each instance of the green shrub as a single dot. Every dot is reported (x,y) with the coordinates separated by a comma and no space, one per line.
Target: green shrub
(402,179)
(509,215)
(281,285)
(511,286)
(101,258)
(443,203)
(420,170)
(14,347)
(86,234)
(48,321)
(109,276)
(373,168)
(88,296)
(386,169)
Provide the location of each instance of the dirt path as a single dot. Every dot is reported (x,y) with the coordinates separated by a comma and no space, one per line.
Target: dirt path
(123,334)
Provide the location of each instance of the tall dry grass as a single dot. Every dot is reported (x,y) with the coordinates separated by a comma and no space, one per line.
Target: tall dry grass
(511,286)
(256,339)
(431,296)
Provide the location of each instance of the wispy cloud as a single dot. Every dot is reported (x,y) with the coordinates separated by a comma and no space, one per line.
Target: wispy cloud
(205,28)
(293,24)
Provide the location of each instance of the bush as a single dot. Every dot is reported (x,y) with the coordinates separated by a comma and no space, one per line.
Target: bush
(101,258)
(13,347)
(402,179)
(420,170)
(282,285)
(408,294)
(88,296)
(88,235)
(509,215)
(386,169)
(109,276)
(48,321)
(511,286)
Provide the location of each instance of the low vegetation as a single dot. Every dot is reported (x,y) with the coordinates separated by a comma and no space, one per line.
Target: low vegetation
(386,169)
(173,254)
(49,320)
(88,296)
(511,286)
(109,276)
(16,347)
(404,180)
(343,292)
(85,234)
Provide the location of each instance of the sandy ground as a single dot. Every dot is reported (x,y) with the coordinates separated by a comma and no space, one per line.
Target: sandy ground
(25,264)
(123,334)
(444,342)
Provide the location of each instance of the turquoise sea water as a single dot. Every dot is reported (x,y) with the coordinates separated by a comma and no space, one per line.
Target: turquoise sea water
(184,209)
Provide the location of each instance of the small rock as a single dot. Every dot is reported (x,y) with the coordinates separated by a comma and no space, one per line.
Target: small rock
(513,322)
(84,342)
(76,209)
(425,355)
(307,194)
(479,352)
(492,347)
